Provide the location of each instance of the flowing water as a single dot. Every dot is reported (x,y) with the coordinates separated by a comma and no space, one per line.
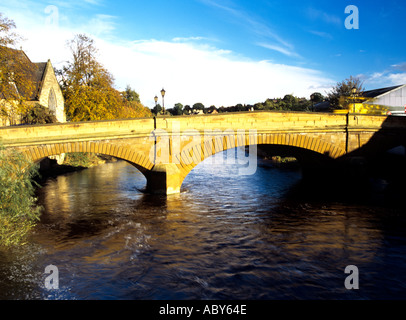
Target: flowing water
(226,236)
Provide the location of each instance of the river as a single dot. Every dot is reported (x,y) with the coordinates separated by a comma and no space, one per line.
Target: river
(225,236)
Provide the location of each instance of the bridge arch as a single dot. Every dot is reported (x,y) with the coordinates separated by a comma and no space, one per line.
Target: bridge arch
(193,155)
(39,152)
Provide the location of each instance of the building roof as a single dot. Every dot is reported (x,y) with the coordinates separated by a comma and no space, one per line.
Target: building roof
(379,92)
(33,72)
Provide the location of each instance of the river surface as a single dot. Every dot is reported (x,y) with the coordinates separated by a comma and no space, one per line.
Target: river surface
(226,236)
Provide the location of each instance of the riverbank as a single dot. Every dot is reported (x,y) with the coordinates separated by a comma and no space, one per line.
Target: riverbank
(49,168)
(277,161)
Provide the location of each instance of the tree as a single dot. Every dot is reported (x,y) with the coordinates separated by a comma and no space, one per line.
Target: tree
(178,109)
(157,109)
(16,71)
(87,85)
(187,109)
(198,106)
(18,209)
(212,109)
(130,95)
(316,97)
(340,95)
(133,109)
(38,114)
(132,106)
(290,100)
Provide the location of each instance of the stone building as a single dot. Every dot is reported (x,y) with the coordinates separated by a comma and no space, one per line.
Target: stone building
(47,91)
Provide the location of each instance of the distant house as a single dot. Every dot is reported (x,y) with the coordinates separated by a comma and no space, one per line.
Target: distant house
(198,112)
(47,91)
(213,111)
(390,100)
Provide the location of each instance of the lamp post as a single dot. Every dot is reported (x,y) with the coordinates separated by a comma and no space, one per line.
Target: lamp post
(156,100)
(354,93)
(312,100)
(163,102)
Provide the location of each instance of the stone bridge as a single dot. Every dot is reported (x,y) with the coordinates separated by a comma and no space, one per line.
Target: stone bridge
(166,149)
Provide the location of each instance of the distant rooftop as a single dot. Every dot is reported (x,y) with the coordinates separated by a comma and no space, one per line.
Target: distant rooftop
(378,92)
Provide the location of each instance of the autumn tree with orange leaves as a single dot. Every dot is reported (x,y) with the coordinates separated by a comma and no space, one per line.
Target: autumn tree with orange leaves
(88,87)
(16,73)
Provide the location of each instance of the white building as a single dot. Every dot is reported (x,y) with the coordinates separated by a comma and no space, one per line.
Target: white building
(393,98)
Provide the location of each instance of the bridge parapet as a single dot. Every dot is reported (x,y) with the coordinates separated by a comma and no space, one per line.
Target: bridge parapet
(75,131)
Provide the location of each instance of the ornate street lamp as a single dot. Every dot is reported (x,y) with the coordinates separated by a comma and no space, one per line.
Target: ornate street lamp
(156,100)
(163,102)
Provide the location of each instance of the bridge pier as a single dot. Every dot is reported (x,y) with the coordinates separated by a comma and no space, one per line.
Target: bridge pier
(164,179)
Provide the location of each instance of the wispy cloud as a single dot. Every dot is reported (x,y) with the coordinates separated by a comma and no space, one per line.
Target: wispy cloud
(322,34)
(187,39)
(94,2)
(395,75)
(279,49)
(257,26)
(400,66)
(317,14)
(101,24)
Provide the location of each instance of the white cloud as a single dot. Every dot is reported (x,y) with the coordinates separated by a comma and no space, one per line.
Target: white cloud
(401,66)
(191,73)
(189,69)
(393,76)
(397,78)
(279,49)
(101,24)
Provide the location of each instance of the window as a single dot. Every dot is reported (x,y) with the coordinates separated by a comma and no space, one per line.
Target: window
(52,103)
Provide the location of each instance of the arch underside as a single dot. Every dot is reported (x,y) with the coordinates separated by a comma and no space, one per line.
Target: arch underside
(192,156)
(36,153)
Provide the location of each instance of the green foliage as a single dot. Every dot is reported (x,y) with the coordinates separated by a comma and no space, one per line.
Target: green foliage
(38,115)
(130,95)
(340,95)
(198,106)
(316,97)
(177,110)
(18,210)
(81,159)
(288,103)
(187,109)
(157,109)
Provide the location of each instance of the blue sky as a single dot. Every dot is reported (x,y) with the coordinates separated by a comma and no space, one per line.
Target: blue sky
(223,52)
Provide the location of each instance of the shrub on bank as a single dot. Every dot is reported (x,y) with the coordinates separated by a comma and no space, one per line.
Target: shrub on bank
(18,209)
